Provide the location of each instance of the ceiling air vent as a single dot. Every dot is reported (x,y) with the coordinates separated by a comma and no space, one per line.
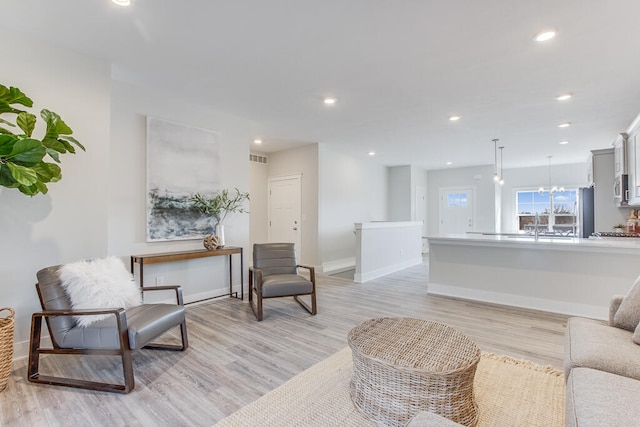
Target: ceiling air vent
(257,158)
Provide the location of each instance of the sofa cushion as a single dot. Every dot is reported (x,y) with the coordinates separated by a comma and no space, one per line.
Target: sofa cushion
(601,399)
(636,335)
(628,314)
(593,344)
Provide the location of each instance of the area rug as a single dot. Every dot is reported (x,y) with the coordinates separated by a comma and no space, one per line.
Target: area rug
(509,392)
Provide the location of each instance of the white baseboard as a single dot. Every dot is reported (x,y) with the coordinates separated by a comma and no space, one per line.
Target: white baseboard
(339,265)
(361,278)
(554,306)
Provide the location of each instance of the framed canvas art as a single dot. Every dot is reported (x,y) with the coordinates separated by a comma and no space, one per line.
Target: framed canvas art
(181,160)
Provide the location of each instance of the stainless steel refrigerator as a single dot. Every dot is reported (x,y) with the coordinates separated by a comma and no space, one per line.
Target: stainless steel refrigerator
(585,212)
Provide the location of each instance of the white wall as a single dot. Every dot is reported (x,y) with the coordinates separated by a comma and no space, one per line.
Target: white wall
(401,194)
(258,208)
(480,178)
(130,106)
(351,190)
(569,176)
(303,160)
(418,179)
(98,208)
(70,222)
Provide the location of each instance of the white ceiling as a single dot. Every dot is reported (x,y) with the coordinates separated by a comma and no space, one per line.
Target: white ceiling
(399,69)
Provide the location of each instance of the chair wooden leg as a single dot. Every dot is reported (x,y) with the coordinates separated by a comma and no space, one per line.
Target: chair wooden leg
(256,306)
(33,374)
(314,305)
(183,333)
(311,309)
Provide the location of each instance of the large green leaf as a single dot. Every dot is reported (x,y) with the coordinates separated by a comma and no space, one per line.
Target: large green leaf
(74,141)
(51,119)
(13,95)
(47,172)
(62,127)
(54,144)
(32,190)
(6,179)
(6,144)
(24,175)
(53,154)
(26,122)
(70,148)
(6,108)
(27,152)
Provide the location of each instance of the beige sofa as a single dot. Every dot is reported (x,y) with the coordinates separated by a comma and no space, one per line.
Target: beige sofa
(602,366)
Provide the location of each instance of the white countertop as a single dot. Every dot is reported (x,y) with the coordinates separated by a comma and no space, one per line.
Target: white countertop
(386,224)
(622,245)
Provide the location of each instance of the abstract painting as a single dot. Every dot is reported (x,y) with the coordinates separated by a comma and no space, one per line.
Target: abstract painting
(181,160)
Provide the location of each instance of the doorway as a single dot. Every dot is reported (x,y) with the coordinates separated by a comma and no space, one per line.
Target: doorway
(457,213)
(284,207)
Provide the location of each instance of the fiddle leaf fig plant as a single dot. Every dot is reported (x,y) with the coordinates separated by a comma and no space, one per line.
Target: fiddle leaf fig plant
(23,157)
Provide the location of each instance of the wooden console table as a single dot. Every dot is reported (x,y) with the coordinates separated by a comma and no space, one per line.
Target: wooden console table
(185,255)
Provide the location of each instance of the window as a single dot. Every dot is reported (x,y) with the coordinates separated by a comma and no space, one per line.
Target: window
(457,200)
(556,212)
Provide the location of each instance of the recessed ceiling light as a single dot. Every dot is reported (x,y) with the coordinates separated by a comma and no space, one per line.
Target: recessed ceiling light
(122,2)
(563,142)
(564,96)
(329,101)
(564,125)
(372,153)
(257,141)
(454,118)
(449,163)
(544,36)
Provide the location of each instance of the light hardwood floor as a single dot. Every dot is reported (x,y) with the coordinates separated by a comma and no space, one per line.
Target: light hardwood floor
(233,360)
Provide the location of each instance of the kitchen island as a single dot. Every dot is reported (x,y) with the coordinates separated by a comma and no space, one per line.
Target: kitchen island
(563,275)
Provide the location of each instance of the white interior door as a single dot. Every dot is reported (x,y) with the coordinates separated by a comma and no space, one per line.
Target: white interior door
(284,210)
(457,215)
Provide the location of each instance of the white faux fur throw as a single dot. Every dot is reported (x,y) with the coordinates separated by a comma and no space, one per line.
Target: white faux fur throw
(99,283)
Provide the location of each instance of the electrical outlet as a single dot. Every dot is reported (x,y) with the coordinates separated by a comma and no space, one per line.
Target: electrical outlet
(159,280)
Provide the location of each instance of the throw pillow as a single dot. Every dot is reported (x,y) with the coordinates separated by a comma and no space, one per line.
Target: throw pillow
(636,335)
(99,283)
(628,314)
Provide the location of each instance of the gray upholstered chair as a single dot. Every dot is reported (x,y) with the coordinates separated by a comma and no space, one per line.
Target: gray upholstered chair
(120,333)
(275,274)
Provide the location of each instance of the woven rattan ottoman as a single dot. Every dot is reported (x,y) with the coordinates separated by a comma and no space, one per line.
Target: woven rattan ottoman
(402,366)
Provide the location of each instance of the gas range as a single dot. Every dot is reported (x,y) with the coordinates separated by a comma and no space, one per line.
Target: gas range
(614,234)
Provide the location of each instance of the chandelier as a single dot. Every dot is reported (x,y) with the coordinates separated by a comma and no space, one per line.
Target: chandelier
(552,189)
(497,177)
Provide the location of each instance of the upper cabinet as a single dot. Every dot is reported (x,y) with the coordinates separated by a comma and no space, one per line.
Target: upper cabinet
(633,161)
(620,155)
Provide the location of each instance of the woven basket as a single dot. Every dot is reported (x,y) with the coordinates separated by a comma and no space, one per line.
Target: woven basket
(402,366)
(6,346)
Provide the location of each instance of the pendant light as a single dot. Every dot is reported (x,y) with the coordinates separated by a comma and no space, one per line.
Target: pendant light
(497,172)
(496,177)
(501,180)
(552,189)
